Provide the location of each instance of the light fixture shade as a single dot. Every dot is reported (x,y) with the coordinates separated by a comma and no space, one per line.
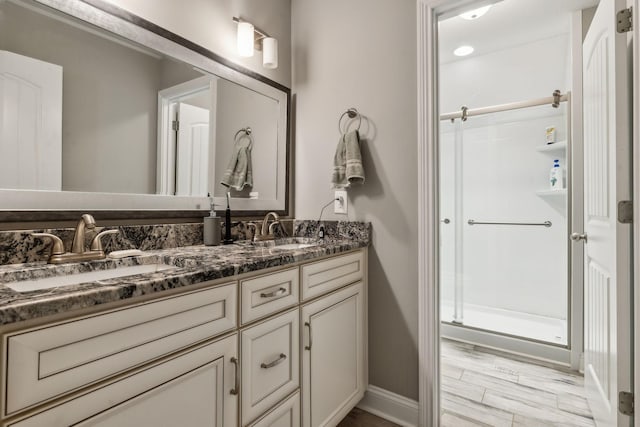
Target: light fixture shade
(270,52)
(245,39)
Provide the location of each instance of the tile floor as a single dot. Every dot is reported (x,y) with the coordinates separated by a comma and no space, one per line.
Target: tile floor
(484,389)
(360,418)
(481,388)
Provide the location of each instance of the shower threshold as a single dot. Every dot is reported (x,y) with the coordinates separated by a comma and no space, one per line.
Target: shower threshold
(512,323)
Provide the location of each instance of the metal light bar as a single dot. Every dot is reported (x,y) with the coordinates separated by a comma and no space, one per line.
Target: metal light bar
(466,112)
(535,224)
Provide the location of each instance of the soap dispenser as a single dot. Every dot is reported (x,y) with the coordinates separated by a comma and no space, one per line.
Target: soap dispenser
(212,231)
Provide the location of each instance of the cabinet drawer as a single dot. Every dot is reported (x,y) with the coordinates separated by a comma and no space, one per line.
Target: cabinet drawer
(270,364)
(264,295)
(324,276)
(286,414)
(191,389)
(52,360)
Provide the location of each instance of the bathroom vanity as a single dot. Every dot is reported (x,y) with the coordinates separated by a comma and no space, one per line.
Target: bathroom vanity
(242,335)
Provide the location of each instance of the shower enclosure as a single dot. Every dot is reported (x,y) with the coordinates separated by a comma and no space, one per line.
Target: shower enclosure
(504,248)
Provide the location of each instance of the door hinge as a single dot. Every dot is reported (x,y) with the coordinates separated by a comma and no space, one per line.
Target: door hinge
(175,125)
(625,403)
(625,211)
(625,20)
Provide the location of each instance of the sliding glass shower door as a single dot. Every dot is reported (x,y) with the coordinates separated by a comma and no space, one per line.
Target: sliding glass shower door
(503,229)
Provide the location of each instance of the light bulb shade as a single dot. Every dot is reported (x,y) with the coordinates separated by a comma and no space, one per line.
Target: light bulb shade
(245,39)
(270,52)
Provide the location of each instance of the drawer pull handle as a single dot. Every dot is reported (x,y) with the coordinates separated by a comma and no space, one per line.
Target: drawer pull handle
(278,361)
(236,387)
(280,291)
(308,347)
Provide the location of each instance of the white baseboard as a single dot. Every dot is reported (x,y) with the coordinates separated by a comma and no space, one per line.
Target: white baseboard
(390,406)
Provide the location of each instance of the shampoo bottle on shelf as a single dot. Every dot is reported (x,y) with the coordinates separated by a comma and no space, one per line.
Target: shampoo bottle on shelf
(556,176)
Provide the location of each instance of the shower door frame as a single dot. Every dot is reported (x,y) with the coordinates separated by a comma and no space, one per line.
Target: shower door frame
(428,13)
(565,354)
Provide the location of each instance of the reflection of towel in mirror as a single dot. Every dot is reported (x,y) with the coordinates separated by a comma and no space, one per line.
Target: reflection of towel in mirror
(238,173)
(347,162)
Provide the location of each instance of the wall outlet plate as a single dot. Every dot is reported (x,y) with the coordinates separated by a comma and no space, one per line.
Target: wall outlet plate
(340,205)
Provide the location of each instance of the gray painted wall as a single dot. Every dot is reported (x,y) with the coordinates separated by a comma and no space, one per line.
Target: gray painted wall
(362,54)
(209,23)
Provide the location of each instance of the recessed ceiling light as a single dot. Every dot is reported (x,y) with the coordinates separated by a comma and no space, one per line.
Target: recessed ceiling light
(463,51)
(475,14)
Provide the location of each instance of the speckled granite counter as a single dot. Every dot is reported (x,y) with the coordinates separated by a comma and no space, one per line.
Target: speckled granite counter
(192,265)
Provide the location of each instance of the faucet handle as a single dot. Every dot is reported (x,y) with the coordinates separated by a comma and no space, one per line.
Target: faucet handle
(57,248)
(96,243)
(255,230)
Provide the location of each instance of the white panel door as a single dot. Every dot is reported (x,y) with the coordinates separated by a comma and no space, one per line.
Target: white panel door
(30,123)
(607,313)
(192,148)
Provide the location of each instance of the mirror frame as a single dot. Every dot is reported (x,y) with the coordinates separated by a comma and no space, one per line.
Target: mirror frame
(37,205)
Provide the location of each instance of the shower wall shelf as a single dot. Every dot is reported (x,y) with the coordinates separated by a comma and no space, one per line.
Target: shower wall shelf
(552,193)
(552,148)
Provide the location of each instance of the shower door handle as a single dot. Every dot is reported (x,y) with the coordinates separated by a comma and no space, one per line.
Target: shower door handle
(576,237)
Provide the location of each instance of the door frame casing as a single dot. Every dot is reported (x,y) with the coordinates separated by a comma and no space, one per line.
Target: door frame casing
(428,235)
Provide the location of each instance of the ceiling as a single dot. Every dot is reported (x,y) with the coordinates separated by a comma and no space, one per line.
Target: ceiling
(507,24)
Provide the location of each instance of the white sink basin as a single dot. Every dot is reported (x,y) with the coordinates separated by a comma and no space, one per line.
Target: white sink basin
(91,276)
(295,246)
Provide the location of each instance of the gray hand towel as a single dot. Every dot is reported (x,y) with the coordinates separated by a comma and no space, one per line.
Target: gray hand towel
(347,162)
(239,171)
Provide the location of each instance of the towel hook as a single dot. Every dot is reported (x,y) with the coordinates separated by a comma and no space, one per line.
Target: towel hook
(247,132)
(352,113)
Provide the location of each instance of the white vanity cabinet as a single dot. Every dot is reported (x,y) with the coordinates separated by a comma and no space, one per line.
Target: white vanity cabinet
(333,358)
(190,389)
(286,348)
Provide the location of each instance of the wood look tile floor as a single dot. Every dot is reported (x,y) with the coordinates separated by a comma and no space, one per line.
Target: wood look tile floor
(359,418)
(480,388)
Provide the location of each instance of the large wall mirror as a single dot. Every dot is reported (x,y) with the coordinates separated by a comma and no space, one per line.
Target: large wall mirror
(102,111)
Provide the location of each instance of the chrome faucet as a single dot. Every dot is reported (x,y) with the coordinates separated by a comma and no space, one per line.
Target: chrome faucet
(266,232)
(78,248)
(86,222)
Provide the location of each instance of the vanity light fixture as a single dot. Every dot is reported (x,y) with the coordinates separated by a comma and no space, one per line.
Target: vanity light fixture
(475,13)
(250,38)
(463,51)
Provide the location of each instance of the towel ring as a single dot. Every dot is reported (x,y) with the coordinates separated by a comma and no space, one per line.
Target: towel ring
(247,132)
(352,113)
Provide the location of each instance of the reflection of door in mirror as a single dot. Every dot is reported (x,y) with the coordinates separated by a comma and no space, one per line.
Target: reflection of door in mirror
(192,150)
(30,123)
(186,130)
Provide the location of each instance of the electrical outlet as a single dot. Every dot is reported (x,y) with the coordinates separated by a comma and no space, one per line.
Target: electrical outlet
(340,204)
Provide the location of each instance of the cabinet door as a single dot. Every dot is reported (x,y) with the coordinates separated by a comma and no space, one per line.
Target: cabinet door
(191,389)
(333,361)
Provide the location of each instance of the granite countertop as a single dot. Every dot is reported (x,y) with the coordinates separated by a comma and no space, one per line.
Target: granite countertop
(190,265)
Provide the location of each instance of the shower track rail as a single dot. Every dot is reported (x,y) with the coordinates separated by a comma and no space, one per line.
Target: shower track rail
(465,112)
(535,224)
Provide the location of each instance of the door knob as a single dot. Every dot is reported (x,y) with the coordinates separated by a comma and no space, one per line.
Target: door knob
(446,220)
(577,237)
